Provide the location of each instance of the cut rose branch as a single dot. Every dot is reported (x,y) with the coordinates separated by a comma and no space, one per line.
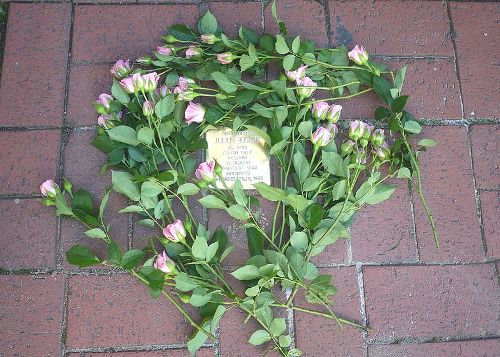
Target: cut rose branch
(156,119)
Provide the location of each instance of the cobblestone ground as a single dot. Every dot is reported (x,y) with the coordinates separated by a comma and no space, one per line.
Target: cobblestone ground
(419,301)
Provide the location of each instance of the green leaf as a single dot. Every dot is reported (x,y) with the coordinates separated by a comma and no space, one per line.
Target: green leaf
(281,46)
(131,209)
(119,93)
(294,352)
(259,132)
(114,253)
(299,241)
(104,203)
(277,327)
(239,194)
(165,106)
(259,337)
(266,42)
(151,189)
(197,340)
(124,134)
(270,193)
(333,163)
(400,78)
(246,62)
(284,341)
(427,143)
(305,129)
(224,82)
(146,135)
(211,251)
(278,147)
(82,200)
(399,104)
(311,184)
(288,62)
(122,183)
(81,256)
(413,127)
(296,44)
(339,190)
(313,215)
(200,297)
(210,201)
(380,193)
(246,272)
(188,189)
(262,110)
(238,212)
(184,283)
(404,172)
(132,258)
(298,202)
(301,166)
(95,233)
(199,248)
(208,23)
(255,241)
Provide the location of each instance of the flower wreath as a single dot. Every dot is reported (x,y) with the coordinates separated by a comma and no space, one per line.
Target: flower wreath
(153,124)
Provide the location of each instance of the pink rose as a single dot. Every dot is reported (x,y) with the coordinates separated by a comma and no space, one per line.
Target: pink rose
(319,110)
(165,50)
(164,263)
(358,55)
(193,51)
(308,87)
(322,136)
(333,114)
(150,81)
(206,171)
(225,58)
(106,121)
(175,232)
(194,113)
(49,188)
(121,69)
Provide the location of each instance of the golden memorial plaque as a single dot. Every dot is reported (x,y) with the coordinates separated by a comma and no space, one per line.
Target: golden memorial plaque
(242,155)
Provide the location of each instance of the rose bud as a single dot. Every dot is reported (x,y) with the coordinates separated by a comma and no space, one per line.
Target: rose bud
(358,55)
(150,81)
(209,38)
(103,103)
(128,84)
(165,50)
(377,137)
(194,113)
(307,87)
(333,129)
(206,171)
(175,232)
(164,90)
(383,152)
(357,129)
(360,156)
(148,108)
(193,51)
(347,148)
(366,135)
(319,110)
(187,95)
(225,58)
(333,114)
(144,60)
(299,73)
(164,263)
(321,137)
(183,84)
(105,121)
(170,39)
(49,188)
(121,69)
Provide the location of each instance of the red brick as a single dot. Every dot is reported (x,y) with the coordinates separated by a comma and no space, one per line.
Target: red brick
(204,352)
(108,33)
(319,336)
(432,301)
(392,28)
(30,315)
(490,206)
(28,159)
(231,16)
(431,84)
(85,85)
(485,348)
(81,166)
(449,191)
(302,17)
(34,65)
(485,142)
(383,233)
(478,56)
(27,223)
(116,310)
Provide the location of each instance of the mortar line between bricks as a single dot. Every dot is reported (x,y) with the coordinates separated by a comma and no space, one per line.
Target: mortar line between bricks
(477,195)
(64,319)
(407,340)
(495,267)
(412,57)
(135,348)
(489,189)
(455,55)
(414,220)
(326,8)
(362,296)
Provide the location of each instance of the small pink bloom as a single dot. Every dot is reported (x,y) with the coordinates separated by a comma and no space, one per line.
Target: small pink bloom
(121,69)
(49,188)
(322,136)
(206,171)
(319,110)
(164,263)
(333,129)
(225,58)
(333,114)
(165,50)
(357,129)
(347,147)
(209,38)
(105,121)
(193,51)
(383,152)
(138,80)
(164,90)
(175,232)
(148,108)
(194,113)
(358,55)
(150,81)
(308,87)
(128,84)
(104,100)
(360,156)
(183,84)
(299,73)
(378,137)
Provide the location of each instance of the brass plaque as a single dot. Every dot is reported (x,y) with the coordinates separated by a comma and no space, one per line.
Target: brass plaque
(242,156)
